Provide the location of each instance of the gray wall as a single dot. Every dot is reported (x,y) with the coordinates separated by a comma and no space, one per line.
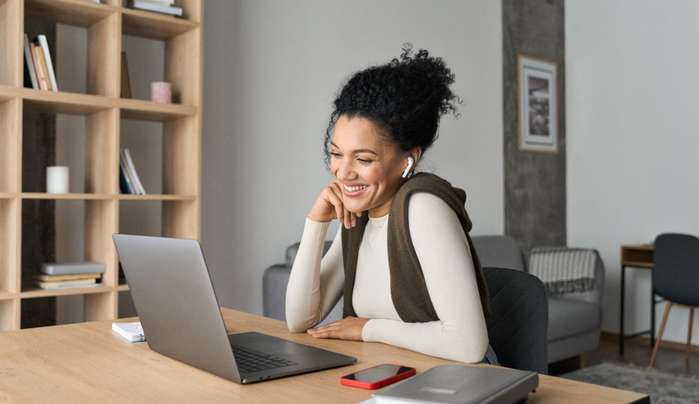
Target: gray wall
(271,71)
(535,182)
(632,68)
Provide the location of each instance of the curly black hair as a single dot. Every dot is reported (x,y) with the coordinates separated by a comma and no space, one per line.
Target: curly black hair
(405,98)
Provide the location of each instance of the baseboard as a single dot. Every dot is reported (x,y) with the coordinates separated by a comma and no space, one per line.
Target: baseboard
(674,345)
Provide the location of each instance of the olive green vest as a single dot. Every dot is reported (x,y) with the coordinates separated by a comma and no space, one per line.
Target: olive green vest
(408,290)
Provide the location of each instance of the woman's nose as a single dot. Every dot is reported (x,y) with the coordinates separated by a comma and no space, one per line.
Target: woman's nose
(345,171)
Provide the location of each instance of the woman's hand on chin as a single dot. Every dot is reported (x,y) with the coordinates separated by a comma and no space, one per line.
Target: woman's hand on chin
(349,328)
(329,205)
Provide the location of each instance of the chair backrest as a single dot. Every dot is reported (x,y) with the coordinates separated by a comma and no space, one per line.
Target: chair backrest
(499,252)
(518,320)
(676,270)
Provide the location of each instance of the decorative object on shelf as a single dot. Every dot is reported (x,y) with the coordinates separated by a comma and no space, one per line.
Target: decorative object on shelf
(159,6)
(538,105)
(125,80)
(57,179)
(161,92)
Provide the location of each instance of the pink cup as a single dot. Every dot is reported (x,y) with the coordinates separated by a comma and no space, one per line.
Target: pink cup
(161,92)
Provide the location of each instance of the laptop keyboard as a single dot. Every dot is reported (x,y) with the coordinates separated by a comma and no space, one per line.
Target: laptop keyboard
(250,361)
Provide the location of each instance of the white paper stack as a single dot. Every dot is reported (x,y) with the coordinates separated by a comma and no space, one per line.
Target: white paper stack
(132,332)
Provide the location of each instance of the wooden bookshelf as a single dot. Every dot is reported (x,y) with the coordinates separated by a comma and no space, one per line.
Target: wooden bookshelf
(104,111)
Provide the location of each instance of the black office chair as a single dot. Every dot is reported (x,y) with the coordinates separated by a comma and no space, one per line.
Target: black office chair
(518,320)
(675,278)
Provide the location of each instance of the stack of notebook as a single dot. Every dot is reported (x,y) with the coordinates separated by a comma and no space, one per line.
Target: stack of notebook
(159,6)
(70,275)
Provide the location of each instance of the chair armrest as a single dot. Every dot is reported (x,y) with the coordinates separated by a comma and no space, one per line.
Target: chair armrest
(592,296)
(274,282)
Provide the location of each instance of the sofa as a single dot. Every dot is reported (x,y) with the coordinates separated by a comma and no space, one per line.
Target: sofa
(574,319)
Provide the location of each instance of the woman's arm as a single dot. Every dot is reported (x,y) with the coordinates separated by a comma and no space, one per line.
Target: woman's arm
(315,285)
(445,258)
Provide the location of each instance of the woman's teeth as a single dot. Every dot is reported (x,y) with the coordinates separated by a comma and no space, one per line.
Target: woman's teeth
(355,188)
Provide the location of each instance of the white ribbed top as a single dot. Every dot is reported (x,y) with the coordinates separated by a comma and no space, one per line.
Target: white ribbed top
(316,285)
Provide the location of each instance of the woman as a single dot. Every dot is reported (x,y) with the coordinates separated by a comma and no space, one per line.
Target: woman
(402,257)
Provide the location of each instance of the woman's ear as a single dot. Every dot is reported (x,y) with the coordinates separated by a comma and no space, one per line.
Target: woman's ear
(416,153)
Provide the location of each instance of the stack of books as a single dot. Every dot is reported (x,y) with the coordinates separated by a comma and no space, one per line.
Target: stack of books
(129,181)
(159,6)
(38,65)
(62,276)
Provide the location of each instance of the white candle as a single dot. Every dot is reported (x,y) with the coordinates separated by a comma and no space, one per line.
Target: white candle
(57,179)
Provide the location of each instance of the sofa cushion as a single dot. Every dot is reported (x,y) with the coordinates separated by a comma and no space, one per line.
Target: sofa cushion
(569,317)
(498,252)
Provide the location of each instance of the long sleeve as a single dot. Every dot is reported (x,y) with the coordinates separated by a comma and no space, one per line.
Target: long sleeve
(315,284)
(445,258)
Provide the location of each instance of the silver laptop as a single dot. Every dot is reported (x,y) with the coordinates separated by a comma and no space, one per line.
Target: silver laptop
(181,318)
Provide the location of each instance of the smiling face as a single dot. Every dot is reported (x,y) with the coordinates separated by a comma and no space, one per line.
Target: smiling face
(367,165)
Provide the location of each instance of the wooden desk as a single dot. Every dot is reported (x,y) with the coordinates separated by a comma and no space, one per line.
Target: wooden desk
(635,256)
(87,363)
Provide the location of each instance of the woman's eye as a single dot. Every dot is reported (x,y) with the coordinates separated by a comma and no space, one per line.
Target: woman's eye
(364,161)
(334,154)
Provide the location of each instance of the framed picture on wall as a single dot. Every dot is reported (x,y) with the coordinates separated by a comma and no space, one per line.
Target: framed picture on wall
(538,106)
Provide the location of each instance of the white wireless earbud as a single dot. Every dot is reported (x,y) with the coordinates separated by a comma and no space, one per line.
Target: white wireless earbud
(407,169)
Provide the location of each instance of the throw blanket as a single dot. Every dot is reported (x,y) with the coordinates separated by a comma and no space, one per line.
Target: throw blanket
(564,270)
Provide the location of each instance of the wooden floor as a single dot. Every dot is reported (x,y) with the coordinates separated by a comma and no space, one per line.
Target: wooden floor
(637,351)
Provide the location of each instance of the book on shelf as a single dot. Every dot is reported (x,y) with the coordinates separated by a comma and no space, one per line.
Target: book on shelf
(61,278)
(71,268)
(124,183)
(47,55)
(41,69)
(29,63)
(83,283)
(161,7)
(39,65)
(125,81)
(130,173)
(162,2)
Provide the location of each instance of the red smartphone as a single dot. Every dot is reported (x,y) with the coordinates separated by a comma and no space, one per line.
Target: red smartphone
(377,376)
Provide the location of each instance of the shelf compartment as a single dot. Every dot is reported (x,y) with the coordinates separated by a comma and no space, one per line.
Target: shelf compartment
(80,13)
(150,111)
(67,197)
(64,219)
(153,25)
(89,149)
(101,24)
(32,292)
